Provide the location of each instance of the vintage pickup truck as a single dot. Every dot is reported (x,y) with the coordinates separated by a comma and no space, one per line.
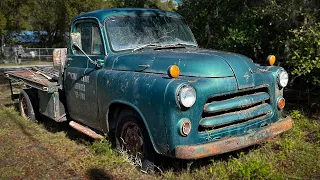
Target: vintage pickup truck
(139,76)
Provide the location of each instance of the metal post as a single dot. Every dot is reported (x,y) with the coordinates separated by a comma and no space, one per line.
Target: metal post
(39,55)
(12,97)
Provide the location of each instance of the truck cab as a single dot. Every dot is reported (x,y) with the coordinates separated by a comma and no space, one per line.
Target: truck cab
(139,75)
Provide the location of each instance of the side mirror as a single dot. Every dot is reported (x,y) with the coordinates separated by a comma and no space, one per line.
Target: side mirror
(76,39)
(76,44)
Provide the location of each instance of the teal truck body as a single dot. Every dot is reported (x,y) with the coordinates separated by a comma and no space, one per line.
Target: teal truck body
(124,65)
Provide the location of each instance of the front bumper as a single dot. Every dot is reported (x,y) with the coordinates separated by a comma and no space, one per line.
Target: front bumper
(233,143)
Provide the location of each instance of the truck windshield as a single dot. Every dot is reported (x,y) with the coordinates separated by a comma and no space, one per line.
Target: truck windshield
(133,32)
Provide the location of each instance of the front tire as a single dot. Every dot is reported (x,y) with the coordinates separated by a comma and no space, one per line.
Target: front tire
(28,104)
(133,137)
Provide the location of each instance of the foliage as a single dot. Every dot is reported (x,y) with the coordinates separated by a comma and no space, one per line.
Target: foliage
(165,5)
(3,22)
(260,28)
(17,14)
(103,147)
(304,52)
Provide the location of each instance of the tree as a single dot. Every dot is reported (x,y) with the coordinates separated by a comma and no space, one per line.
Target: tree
(15,15)
(259,28)
(164,5)
(54,17)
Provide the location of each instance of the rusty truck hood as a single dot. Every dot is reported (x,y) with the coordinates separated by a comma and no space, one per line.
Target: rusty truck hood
(192,62)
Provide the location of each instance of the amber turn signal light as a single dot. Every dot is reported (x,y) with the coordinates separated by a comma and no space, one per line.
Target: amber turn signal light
(281,103)
(271,59)
(174,71)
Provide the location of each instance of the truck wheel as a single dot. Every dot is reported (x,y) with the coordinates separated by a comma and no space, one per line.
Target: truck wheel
(28,105)
(133,137)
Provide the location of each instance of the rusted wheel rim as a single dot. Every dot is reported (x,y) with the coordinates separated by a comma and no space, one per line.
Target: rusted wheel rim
(24,107)
(132,139)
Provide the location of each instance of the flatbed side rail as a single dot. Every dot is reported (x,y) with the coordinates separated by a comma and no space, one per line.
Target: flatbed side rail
(31,79)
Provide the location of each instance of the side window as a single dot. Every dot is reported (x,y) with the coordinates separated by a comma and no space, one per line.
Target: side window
(91,40)
(97,47)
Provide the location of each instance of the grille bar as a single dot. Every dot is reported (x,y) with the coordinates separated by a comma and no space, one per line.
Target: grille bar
(232,117)
(237,102)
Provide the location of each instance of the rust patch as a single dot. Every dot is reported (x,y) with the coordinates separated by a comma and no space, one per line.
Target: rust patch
(233,143)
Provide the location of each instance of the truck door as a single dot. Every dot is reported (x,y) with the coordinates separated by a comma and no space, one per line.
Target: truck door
(81,75)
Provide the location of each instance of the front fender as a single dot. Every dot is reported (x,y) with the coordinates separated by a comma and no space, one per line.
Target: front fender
(143,92)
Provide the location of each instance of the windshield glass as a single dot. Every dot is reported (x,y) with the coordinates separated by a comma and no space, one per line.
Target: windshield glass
(134,32)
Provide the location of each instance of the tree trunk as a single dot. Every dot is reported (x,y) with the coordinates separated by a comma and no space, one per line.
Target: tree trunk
(305,21)
(2,44)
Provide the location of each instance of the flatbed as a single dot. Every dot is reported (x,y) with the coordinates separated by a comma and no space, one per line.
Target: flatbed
(35,78)
(44,84)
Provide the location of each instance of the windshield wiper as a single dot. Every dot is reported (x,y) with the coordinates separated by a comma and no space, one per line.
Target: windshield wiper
(177,45)
(158,46)
(144,46)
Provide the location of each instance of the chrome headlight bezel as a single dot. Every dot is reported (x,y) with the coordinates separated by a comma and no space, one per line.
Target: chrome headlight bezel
(283,78)
(186,96)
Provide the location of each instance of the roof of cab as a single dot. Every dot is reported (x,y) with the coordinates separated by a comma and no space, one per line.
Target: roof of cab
(103,14)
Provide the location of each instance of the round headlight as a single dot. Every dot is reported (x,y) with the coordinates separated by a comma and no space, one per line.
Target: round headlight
(283,78)
(187,96)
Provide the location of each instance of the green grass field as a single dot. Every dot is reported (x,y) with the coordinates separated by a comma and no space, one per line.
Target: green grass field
(48,150)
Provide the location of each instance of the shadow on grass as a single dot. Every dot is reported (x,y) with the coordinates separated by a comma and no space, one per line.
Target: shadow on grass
(97,174)
(44,151)
(55,127)
(13,104)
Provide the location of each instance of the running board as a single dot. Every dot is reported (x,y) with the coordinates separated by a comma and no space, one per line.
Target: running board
(85,130)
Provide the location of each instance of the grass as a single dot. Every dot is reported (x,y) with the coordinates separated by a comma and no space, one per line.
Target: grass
(48,150)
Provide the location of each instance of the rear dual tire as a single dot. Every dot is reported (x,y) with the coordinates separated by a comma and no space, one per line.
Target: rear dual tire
(28,104)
